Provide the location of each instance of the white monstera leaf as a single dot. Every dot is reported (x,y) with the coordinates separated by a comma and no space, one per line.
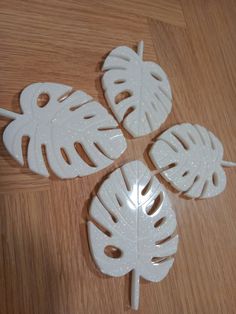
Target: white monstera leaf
(190,157)
(149,98)
(78,134)
(132,227)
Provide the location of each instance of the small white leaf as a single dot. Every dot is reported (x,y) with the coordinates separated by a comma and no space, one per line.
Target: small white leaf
(79,135)
(146,85)
(133,207)
(191,158)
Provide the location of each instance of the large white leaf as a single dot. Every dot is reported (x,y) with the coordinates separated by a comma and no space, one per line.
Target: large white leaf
(133,207)
(147,85)
(70,121)
(191,158)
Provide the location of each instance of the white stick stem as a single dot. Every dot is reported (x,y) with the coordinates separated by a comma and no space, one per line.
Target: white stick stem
(140,49)
(225,163)
(135,290)
(8,114)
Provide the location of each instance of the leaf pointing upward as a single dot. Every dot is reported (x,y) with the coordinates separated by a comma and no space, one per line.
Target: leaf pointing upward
(146,85)
(135,209)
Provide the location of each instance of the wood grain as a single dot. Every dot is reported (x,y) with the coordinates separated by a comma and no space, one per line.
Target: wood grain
(45,264)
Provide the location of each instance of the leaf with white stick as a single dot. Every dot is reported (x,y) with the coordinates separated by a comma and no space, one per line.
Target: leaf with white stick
(138,92)
(78,134)
(191,158)
(132,227)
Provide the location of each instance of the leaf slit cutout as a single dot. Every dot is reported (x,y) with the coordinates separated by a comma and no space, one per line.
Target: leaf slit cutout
(165,239)
(90,116)
(109,128)
(45,159)
(165,93)
(113,217)
(66,95)
(25,144)
(163,105)
(158,260)
(191,138)
(170,144)
(119,200)
(128,111)
(197,128)
(156,204)
(197,177)
(147,187)
(73,108)
(83,154)
(156,76)
(101,150)
(148,121)
(181,140)
(126,181)
(65,156)
(122,96)
(119,81)
(212,142)
(101,227)
(83,103)
(159,222)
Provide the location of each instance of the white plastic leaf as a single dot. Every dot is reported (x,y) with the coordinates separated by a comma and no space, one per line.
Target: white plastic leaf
(191,158)
(147,86)
(132,214)
(70,124)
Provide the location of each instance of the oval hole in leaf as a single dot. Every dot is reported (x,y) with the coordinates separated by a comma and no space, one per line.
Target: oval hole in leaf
(122,96)
(65,156)
(159,222)
(215,179)
(43,100)
(112,251)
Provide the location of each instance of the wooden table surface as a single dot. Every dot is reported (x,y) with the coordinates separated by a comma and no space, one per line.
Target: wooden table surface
(45,264)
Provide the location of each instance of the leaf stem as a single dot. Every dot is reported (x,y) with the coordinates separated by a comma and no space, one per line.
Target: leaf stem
(225,163)
(140,49)
(9,114)
(135,290)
